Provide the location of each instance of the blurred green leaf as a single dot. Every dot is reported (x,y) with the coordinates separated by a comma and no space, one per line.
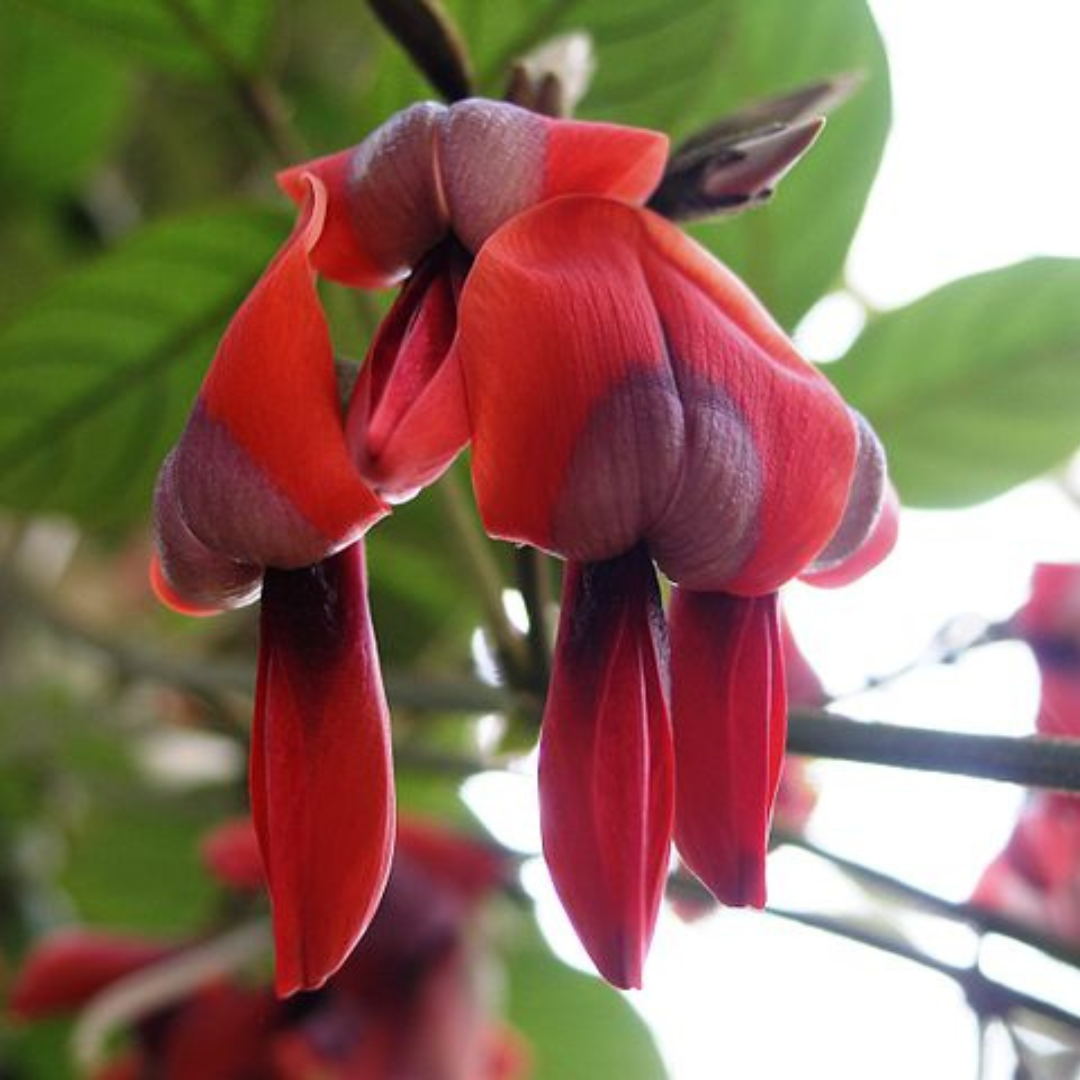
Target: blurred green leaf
(97,378)
(578,1027)
(180,36)
(976,387)
(59,106)
(134,864)
(680,68)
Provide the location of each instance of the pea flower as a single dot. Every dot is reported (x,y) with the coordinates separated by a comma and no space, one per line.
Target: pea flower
(633,404)
(629,403)
(408,1005)
(1036,876)
(271,487)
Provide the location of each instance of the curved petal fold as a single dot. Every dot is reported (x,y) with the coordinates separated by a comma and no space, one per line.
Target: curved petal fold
(262,473)
(407,419)
(867,531)
(385,207)
(68,968)
(606,761)
(729,723)
(668,404)
(321,777)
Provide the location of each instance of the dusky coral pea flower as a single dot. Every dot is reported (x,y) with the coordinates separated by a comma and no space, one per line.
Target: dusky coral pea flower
(270,488)
(631,403)
(409,1004)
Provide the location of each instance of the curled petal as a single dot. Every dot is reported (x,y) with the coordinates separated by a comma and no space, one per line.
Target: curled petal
(467,169)
(185,574)
(668,405)
(729,720)
(68,968)
(497,160)
(262,473)
(867,531)
(385,208)
(407,418)
(606,764)
(321,784)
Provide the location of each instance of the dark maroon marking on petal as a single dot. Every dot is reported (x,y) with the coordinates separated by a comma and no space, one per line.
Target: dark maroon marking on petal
(395,195)
(200,576)
(866,498)
(710,525)
(232,506)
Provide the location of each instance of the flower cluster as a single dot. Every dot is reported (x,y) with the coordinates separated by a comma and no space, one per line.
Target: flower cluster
(1036,877)
(629,405)
(410,1004)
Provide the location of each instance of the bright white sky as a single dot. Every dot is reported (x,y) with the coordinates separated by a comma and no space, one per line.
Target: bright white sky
(983,169)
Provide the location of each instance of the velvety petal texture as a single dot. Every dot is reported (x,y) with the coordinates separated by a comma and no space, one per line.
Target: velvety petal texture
(467,168)
(321,781)
(729,718)
(669,407)
(606,761)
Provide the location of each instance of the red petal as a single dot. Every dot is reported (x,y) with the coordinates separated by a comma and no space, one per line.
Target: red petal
(221,1034)
(728,717)
(69,967)
(585,158)
(606,764)
(667,403)
(408,420)
(231,853)
(262,472)
(321,779)
(385,208)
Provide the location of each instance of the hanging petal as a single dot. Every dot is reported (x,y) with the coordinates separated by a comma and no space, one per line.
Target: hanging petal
(408,419)
(262,473)
(68,968)
(728,718)
(623,384)
(606,764)
(321,782)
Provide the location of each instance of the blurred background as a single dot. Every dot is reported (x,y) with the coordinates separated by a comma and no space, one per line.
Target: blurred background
(924,253)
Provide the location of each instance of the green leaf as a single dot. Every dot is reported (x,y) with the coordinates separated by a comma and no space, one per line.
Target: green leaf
(60,104)
(976,387)
(578,1027)
(679,68)
(97,378)
(187,37)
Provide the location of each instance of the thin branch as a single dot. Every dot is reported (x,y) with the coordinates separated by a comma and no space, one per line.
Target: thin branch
(986,996)
(1034,761)
(980,919)
(476,555)
(258,99)
(534,584)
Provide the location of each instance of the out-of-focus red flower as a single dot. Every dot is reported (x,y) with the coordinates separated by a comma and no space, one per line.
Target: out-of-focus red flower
(409,1004)
(1036,877)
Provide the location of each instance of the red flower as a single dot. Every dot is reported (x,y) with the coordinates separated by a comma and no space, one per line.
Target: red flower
(1036,877)
(269,484)
(631,402)
(408,1005)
